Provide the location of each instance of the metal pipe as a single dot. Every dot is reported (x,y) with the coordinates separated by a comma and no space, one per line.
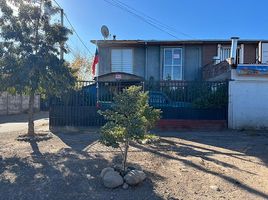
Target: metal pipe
(260,52)
(234,49)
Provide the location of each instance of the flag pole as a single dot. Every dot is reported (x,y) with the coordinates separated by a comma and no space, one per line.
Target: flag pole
(97,78)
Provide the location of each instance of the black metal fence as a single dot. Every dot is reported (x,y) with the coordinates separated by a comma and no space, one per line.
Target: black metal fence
(177,100)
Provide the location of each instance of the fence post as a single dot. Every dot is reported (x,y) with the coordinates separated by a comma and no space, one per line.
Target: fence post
(7,104)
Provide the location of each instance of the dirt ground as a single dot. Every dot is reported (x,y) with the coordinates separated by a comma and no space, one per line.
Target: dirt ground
(65,164)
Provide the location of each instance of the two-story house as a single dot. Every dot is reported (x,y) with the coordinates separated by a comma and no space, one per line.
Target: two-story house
(170,60)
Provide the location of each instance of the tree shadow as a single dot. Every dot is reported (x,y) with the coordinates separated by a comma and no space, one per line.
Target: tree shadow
(187,151)
(67,174)
(76,138)
(249,143)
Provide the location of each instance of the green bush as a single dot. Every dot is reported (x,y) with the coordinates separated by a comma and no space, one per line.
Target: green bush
(213,99)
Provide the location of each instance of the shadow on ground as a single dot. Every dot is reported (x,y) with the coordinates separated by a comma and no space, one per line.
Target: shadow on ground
(77,138)
(68,174)
(241,145)
(249,143)
(237,145)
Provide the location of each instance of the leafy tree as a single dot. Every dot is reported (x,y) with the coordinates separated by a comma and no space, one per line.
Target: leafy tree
(82,66)
(129,119)
(29,53)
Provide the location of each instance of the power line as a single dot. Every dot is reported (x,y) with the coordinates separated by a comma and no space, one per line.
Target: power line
(73,29)
(140,17)
(145,18)
(78,35)
(172,29)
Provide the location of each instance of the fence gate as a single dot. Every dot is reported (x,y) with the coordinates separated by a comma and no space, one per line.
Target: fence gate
(178,100)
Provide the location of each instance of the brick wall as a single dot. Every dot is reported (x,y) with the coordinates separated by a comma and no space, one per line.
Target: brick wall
(250,53)
(209,51)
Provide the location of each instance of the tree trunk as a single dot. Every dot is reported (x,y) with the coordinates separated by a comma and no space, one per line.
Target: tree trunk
(125,155)
(30,115)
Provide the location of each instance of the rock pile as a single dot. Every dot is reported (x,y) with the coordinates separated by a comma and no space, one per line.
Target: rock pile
(112,178)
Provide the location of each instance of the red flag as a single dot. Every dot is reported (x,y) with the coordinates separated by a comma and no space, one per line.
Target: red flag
(95,62)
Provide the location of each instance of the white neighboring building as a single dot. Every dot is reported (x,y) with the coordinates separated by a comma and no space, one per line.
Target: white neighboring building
(248,101)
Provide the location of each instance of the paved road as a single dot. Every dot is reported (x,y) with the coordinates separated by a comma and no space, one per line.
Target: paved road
(17,123)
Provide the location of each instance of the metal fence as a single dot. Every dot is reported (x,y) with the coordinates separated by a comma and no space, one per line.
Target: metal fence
(193,100)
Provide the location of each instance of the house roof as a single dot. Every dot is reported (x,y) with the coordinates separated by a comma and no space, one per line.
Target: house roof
(170,42)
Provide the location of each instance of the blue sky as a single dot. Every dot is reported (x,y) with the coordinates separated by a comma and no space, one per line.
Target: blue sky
(200,19)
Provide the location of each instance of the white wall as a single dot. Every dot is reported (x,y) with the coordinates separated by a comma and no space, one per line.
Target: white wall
(248,102)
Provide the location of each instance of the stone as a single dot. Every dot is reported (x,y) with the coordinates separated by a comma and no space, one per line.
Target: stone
(105,170)
(118,168)
(125,186)
(145,141)
(130,168)
(184,169)
(112,179)
(134,177)
(134,167)
(202,162)
(214,187)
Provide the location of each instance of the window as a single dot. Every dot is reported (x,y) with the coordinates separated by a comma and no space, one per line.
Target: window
(225,53)
(122,60)
(172,68)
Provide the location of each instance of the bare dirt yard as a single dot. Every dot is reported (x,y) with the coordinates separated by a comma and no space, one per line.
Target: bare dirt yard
(65,164)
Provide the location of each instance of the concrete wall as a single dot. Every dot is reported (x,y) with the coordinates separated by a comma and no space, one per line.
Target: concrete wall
(15,104)
(153,62)
(195,56)
(248,102)
(192,63)
(138,60)
(104,60)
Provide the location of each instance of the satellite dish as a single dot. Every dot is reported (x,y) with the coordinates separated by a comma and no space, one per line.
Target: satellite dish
(105,31)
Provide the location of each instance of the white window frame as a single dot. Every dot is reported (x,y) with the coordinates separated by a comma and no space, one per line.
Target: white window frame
(241,52)
(172,65)
(122,66)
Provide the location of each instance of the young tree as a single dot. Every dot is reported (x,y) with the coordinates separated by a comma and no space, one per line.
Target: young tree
(29,54)
(130,118)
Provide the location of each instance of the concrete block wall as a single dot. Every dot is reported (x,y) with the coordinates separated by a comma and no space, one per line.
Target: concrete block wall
(15,104)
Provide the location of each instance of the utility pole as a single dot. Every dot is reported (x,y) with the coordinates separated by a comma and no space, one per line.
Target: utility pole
(62,44)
